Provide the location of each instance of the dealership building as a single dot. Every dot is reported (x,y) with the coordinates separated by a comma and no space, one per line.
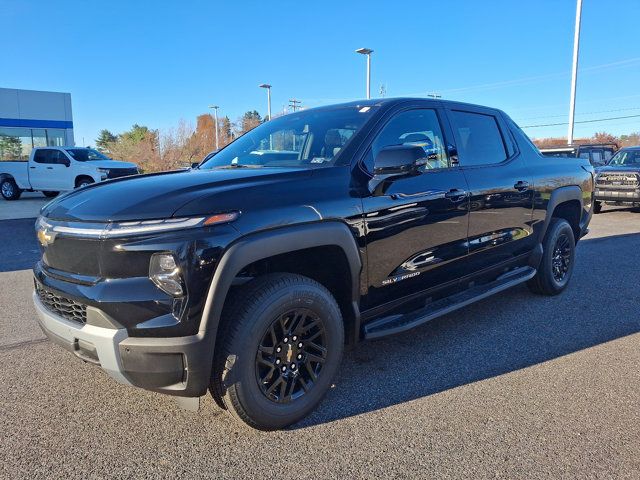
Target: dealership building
(31,118)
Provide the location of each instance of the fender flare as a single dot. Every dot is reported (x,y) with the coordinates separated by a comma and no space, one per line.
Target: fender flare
(268,243)
(558,196)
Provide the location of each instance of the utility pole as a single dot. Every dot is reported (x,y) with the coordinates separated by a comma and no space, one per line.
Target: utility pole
(574,73)
(294,104)
(215,113)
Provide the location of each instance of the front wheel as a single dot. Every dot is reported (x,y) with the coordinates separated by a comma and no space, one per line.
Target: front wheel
(83,182)
(9,189)
(597,207)
(278,351)
(556,266)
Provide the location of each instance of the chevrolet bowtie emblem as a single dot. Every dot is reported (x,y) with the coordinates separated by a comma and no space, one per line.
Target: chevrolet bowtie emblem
(45,237)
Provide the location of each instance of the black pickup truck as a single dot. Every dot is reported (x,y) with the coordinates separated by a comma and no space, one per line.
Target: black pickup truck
(248,275)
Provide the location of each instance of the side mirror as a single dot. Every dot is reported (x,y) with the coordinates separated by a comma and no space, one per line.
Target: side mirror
(66,162)
(397,160)
(394,162)
(195,164)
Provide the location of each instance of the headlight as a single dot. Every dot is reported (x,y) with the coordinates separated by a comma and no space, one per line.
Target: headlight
(123,229)
(165,273)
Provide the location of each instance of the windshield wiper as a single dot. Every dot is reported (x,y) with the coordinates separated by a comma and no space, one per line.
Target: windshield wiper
(238,165)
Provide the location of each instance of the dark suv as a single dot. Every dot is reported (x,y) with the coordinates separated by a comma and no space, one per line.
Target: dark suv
(598,154)
(247,275)
(618,183)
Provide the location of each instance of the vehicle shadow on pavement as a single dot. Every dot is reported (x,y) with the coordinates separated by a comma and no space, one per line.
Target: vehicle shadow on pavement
(18,244)
(510,331)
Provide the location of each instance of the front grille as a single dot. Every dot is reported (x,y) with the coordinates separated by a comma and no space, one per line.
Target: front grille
(617,179)
(62,306)
(121,172)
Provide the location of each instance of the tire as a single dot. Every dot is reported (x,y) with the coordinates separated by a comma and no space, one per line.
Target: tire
(83,182)
(9,189)
(558,259)
(597,207)
(50,194)
(258,319)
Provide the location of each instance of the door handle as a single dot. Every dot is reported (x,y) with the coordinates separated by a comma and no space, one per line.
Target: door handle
(49,168)
(455,194)
(33,168)
(521,186)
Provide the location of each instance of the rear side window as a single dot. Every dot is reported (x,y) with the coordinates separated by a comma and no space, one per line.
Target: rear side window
(479,139)
(43,156)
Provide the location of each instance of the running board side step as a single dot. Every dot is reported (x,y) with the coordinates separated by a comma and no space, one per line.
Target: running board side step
(402,322)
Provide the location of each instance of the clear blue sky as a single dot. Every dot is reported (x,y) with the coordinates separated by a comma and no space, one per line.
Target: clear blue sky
(154,63)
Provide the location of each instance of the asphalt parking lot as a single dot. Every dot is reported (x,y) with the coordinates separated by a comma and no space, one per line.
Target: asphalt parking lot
(514,386)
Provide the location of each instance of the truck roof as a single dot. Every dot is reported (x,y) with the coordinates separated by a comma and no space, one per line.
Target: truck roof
(397,100)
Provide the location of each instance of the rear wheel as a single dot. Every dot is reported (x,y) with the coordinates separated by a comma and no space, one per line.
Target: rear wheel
(278,351)
(557,261)
(9,189)
(50,194)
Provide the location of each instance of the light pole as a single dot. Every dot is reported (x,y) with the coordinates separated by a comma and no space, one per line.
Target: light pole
(215,114)
(574,73)
(268,87)
(367,52)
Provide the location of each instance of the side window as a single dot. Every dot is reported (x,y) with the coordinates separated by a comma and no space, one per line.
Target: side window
(478,137)
(58,157)
(43,156)
(415,127)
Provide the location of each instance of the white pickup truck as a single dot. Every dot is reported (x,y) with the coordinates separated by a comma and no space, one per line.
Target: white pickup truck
(55,169)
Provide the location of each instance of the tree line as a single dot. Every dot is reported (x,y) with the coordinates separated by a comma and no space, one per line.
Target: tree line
(629,140)
(155,150)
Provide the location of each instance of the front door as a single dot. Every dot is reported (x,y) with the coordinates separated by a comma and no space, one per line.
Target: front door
(416,228)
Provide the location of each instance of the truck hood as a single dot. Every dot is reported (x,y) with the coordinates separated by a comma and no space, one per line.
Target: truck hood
(111,164)
(158,196)
(618,169)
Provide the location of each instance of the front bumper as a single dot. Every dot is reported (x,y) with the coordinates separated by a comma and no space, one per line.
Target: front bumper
(618,196)
(175,366)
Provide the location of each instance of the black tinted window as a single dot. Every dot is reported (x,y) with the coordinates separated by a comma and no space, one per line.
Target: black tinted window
(58,157)
(415,127)
(479,139)
(43,156)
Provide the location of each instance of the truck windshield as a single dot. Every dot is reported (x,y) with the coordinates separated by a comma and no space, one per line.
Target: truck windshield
(306,139)
(626,157)
(86,154)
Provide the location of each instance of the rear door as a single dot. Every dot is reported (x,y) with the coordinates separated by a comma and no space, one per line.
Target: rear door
(416,227)
(501,187)
(48,170)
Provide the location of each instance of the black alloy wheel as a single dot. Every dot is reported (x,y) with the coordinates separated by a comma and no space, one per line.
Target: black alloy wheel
(561,260)
(277,350)
(558,255)
(291,355)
